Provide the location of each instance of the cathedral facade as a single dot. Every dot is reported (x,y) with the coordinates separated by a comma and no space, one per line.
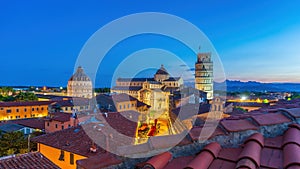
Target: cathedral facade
(152,91)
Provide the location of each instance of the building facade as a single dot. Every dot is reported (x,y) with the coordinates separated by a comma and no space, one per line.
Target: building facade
(151,91)
(204,74)
(80,85)
(21,110)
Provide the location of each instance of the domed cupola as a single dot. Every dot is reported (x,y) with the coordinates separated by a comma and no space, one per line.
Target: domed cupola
(161,74)
(79,75)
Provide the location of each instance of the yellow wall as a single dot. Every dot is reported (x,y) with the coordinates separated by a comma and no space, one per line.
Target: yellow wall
(53,155)
(127,105)
(18,112)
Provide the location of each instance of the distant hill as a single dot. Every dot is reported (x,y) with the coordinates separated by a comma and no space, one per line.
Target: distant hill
(238,86)
(253,86)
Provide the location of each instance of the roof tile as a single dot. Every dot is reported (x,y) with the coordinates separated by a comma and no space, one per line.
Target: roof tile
(158,142)
(230,154)
(29,160)
(251,151)
(196,131)
(271,158)
(270,119)
(295,112)
(257,137)
(159,161)
(206,156)
(179,163)
(291,155)
(273,142)
(292,135)
(238,125)
(222,164)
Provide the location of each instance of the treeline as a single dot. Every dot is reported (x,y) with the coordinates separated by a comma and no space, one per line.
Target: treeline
(9,94)
(102,90)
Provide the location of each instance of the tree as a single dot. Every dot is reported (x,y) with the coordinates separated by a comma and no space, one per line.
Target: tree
(27,96)
(12,143)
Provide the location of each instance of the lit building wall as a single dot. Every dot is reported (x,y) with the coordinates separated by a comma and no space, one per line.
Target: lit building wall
(20,112)
(54,154)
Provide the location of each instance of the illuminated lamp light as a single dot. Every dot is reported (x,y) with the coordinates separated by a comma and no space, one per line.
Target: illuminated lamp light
(243,98)
(266,101)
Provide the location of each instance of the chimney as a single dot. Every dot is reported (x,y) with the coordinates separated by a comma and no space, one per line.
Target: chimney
(93,148)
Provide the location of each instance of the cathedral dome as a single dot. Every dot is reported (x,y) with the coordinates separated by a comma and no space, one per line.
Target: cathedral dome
(79,75)
(161,74)
(162,71)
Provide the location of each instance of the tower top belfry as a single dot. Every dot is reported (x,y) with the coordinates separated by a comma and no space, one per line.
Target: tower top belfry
(204,74)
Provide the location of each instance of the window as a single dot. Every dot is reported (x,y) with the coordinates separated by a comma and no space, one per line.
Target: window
(62,127)
(42,108)
(128,106)
(66,108)
(56,126)
(8,111)
(25,109)
(17,110)
(62,156)
(32,109)
(25,116)
(120,107)
(48,124)
(1,108)
(71,158)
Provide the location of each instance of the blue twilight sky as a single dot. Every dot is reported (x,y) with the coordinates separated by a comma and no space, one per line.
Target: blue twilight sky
(40,40)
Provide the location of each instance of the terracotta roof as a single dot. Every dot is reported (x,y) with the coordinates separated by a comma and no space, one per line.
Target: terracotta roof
(250,155)
(294,112)
(270,119)
(196,131)
(206,157)
(160,142)
(107,129)
(122,97)
(179,163)
(72,102)
(159,161)
(101,161)
(26,161)
(25,103)
(256,152)
(59,116)
(238,125)
(35,123)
